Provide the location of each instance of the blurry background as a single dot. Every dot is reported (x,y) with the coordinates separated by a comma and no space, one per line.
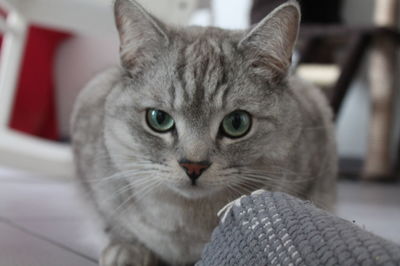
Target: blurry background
(348,47)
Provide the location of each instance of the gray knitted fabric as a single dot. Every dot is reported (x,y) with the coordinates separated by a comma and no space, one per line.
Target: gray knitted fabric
(272,228)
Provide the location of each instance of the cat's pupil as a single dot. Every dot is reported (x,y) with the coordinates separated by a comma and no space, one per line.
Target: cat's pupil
(236,121)
(161,116)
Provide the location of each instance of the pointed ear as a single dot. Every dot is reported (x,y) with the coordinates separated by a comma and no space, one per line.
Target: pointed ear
(269,45)
(141,35)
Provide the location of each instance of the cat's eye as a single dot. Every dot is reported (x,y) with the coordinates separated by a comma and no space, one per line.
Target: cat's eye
(236,124)
(159,120)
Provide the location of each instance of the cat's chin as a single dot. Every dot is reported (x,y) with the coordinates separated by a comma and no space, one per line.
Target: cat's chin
(193,192)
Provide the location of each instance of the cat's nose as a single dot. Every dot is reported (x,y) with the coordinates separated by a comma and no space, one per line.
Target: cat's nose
(194,169)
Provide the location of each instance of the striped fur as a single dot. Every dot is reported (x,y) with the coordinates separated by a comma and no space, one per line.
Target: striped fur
(131,174)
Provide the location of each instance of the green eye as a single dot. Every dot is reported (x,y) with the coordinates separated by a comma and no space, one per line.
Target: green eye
(159,120)
(236,124)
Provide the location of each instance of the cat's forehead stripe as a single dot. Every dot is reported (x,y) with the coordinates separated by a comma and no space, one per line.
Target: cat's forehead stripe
(177,92)
(201,71)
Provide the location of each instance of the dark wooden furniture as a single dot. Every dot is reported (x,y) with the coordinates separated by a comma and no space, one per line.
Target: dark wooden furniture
(323,39)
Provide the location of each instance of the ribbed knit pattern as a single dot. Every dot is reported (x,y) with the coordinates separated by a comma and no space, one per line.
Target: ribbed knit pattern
(272,228)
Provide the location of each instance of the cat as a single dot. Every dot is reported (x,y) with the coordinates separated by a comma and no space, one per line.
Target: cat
(193,118)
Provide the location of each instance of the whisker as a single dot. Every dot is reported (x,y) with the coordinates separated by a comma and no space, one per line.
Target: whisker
(151,183)
(234,191)
(277,179)
(119,175)
(131,185)
(149,189)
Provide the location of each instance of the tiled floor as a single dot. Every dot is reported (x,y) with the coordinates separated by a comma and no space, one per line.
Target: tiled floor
(43,223)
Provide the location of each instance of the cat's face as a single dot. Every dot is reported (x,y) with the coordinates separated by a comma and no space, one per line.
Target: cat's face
(200,110)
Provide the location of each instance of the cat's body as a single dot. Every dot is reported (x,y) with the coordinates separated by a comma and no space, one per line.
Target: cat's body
(135,176)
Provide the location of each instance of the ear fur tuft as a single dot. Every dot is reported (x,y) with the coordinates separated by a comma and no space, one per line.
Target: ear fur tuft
(141,35)
(269,45)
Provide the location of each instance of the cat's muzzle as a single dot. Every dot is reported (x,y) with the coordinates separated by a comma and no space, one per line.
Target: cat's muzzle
(194,169)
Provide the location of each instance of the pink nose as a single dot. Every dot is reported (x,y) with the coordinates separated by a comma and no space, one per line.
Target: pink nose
(194,169)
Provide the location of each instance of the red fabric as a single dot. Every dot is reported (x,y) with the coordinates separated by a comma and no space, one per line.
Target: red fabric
(34,109)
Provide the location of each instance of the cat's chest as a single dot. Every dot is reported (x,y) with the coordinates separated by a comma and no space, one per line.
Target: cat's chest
(172,229)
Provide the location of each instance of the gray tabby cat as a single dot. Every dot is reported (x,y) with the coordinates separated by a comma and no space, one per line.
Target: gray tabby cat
(194,118)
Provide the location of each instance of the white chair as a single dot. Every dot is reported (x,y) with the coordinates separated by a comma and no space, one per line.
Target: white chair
(78,16)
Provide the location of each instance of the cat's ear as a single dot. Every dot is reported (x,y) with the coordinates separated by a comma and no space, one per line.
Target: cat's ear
(141,35)
(269,45)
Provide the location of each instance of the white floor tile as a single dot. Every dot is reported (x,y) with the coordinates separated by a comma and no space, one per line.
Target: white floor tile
(78,235)
(39,200)
(18,248)
(373,206)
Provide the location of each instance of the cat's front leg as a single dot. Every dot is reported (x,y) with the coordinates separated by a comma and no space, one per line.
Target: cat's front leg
(126,254)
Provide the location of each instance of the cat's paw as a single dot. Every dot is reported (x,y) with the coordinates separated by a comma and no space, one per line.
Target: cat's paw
(124,255)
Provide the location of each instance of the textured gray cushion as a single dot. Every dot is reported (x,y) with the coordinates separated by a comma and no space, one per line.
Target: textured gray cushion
(272,228)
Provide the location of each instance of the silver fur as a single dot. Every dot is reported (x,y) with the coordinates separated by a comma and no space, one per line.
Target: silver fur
(130,173)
